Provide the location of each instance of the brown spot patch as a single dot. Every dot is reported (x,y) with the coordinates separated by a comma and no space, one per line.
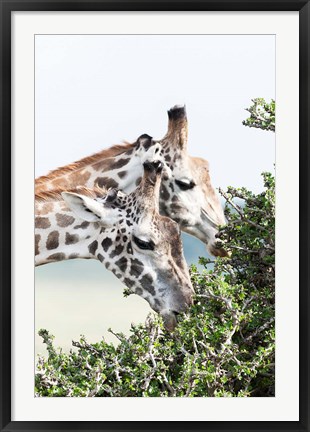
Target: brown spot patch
(146,281)
(79,177)
(120,163)
(73,256)
(52,241)
(106,243)
(157,303)
(83,225)
(106,182)
(56,257)
(136,267)
(60,182)
(46,208)
(71,238)
(117,251)
(64,220)
(37,240)
(118,275)
(122,264)
(164,194)
(93,247)
(42,222)
(103,165)
(129,152)
(122,174)
(129,283)
(138,181)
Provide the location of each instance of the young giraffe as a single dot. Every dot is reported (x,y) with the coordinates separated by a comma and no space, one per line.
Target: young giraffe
(124,232)
(187,195)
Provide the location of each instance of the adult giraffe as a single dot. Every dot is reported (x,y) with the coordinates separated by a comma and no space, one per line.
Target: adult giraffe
(186,195)
(124,232)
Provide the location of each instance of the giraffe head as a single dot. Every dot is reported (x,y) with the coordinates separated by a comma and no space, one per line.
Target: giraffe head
(141,247)
(188,196)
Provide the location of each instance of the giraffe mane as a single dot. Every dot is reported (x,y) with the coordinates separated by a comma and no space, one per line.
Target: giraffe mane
(115,150)
(55,194)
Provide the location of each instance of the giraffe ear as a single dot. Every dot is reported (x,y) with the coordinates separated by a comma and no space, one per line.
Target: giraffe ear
(177,126)
(91,210)
(84,207)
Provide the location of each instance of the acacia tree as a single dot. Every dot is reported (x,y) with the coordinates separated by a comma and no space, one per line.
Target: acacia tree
(223,346)
(262,115)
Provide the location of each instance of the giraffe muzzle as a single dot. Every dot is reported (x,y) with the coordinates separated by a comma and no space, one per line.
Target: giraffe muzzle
(171,318)
(218,251)
(170,321)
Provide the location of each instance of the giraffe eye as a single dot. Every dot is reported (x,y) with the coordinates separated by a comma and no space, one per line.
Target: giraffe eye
(142,244)
(185,185)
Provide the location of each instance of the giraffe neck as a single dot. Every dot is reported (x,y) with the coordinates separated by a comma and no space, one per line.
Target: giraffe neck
(119,167)
(60,235)
(125,233)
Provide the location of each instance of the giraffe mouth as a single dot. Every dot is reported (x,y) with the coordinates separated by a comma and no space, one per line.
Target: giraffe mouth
(170,320)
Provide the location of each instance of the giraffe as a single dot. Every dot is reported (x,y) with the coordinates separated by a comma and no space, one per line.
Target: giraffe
(187,195)
(125,232)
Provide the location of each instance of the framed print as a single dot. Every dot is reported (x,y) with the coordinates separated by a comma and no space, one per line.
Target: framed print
(161,158)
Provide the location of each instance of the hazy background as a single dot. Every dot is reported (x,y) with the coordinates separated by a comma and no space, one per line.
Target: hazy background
(98,90)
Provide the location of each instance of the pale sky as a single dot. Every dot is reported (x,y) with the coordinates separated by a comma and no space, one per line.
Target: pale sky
(95,91)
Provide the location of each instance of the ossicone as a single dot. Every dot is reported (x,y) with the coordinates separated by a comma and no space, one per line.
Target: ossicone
(177,112)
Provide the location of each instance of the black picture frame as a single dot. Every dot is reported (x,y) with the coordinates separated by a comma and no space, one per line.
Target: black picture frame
(9,6)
